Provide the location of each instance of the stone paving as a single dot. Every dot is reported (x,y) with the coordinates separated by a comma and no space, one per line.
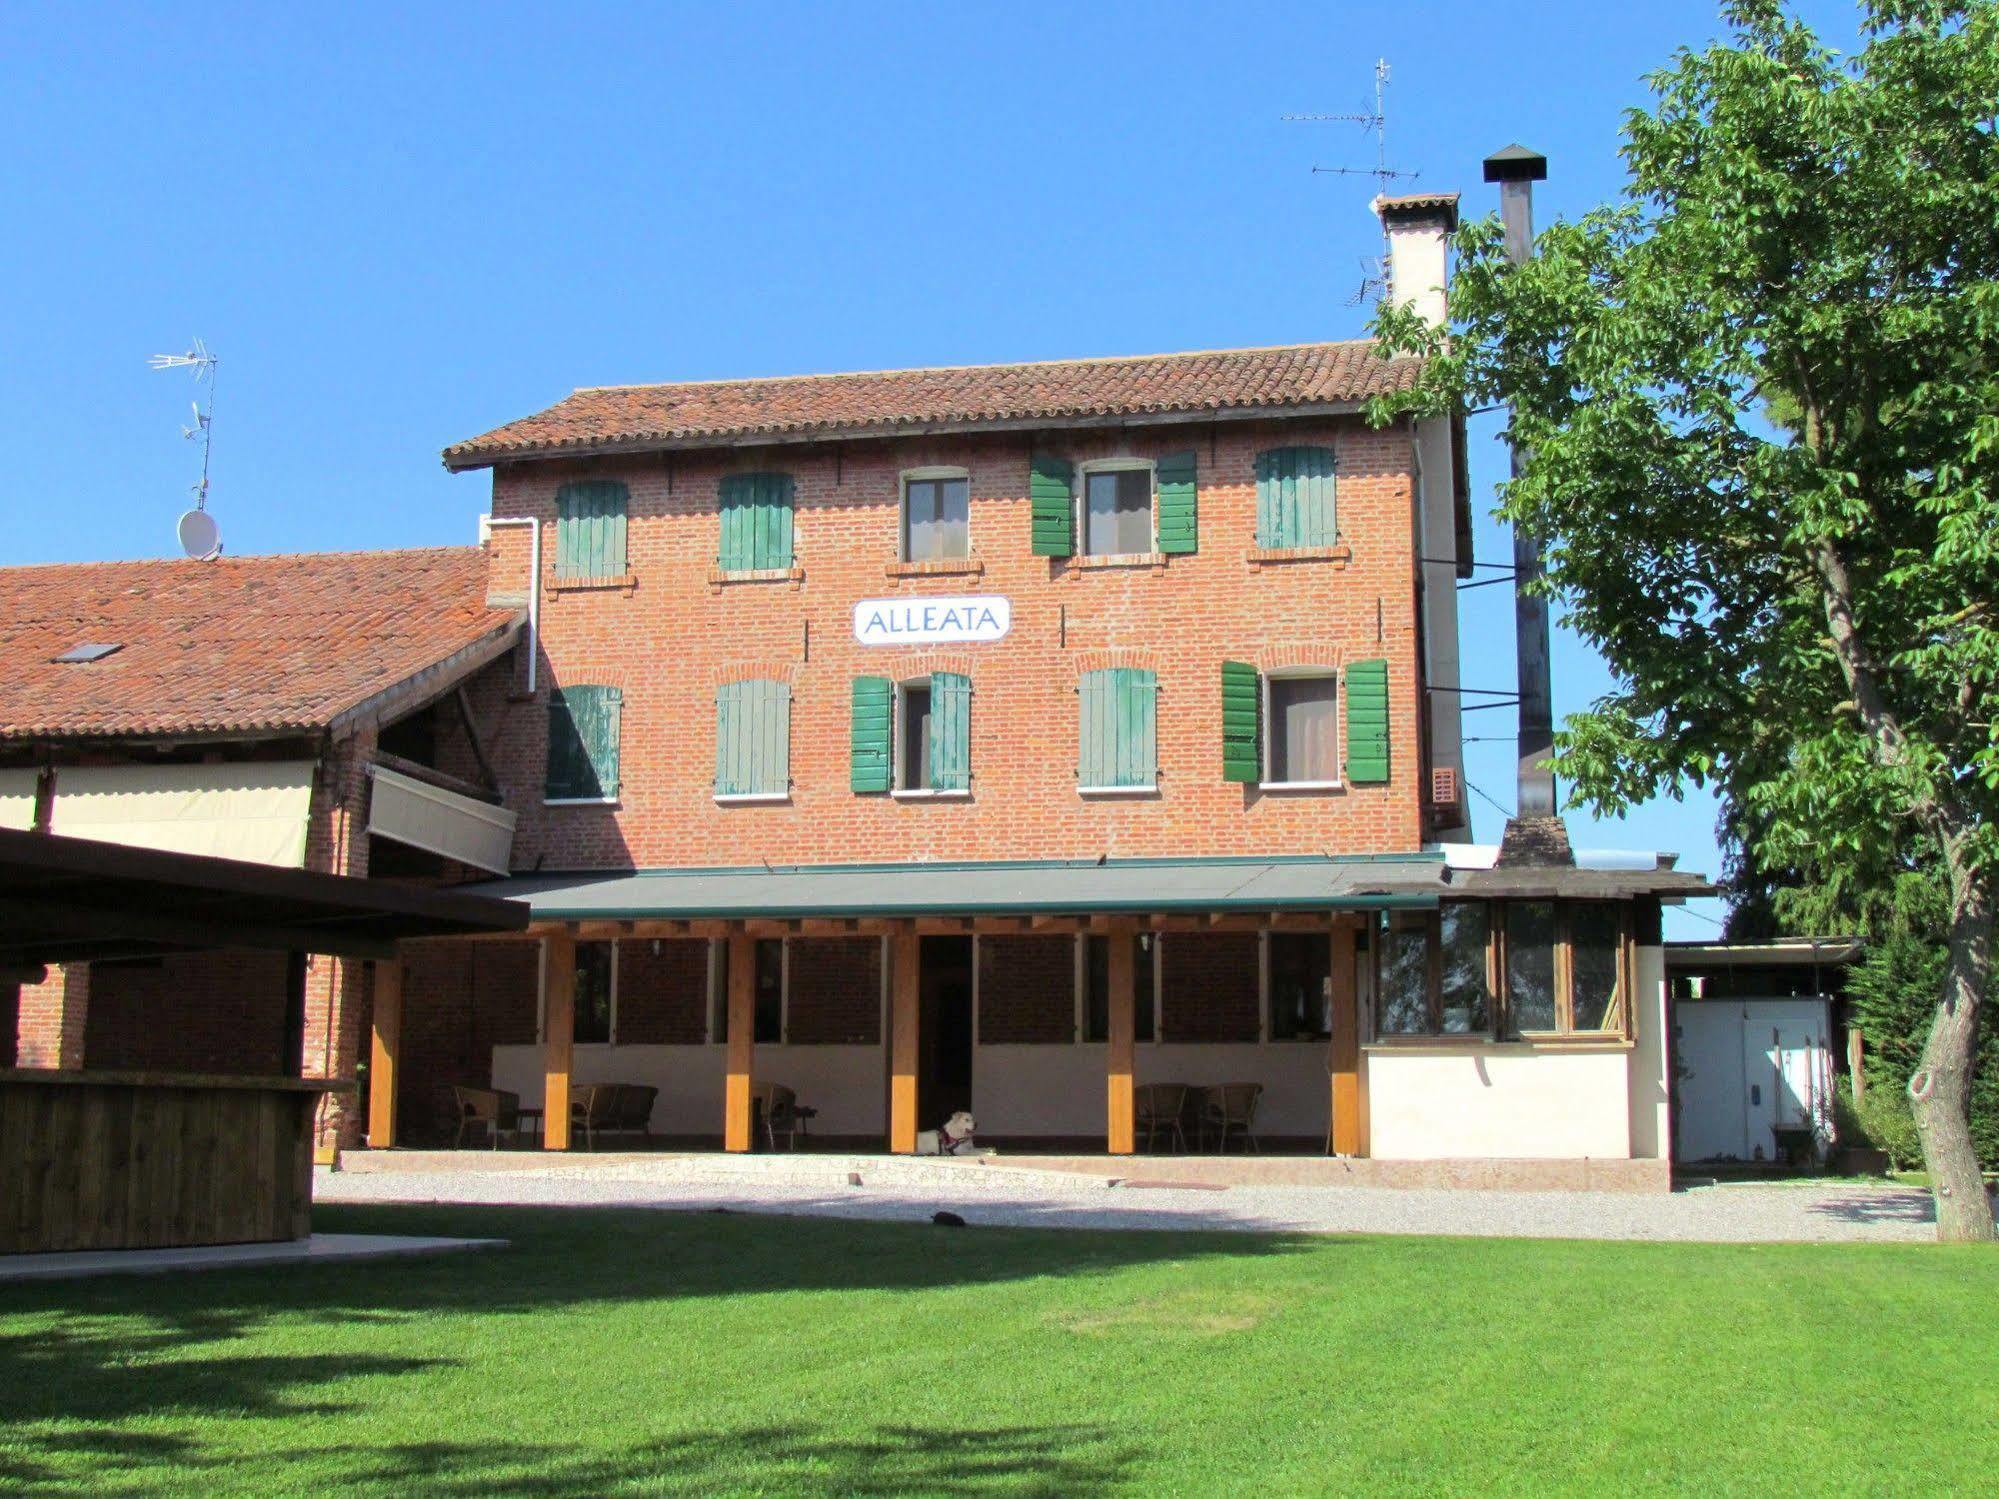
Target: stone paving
(1002,1193)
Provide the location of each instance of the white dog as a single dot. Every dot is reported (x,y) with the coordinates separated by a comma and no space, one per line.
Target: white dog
(955,1138)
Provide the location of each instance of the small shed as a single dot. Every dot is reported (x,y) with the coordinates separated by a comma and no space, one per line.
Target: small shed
(1754,1047)
(123,1160)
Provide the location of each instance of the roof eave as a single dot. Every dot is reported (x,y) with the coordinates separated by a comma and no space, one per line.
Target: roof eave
(465,457)
(425,686)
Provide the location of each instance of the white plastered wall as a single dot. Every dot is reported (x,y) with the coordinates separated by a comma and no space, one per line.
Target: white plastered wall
(1501,1101)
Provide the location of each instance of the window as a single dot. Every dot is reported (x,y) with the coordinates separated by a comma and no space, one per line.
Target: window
(771,975)
(753,741)
(936,517)
(933,735)
(596,988)
(756,522)
(1300,969)
(1513,968)
(912,771)
(1117,511)
(1119,747)
(583,730)
(1097,986)
(1303,745)
(590,529)
(1294,498)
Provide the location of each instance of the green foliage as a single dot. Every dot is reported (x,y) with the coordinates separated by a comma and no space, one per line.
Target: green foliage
(1776,361)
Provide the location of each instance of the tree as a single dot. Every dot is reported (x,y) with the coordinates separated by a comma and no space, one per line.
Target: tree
(1802,608)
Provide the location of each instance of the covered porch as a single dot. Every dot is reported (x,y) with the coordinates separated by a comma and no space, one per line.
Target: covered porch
(1060,1003)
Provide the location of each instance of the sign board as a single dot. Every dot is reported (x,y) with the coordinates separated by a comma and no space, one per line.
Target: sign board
(932,621)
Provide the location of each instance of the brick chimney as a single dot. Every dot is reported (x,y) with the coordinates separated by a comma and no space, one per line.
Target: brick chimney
(1418,228)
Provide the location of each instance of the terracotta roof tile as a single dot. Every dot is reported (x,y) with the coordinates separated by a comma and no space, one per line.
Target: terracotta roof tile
(238,645)
(884,402)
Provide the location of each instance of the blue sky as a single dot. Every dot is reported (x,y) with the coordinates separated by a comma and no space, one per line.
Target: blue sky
(399,226)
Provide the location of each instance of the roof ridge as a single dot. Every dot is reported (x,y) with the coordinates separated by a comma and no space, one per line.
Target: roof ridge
(945,369)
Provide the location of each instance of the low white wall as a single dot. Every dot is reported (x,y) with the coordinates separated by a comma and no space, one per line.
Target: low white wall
(1509,1102)
(844,1083)
(1062,1089)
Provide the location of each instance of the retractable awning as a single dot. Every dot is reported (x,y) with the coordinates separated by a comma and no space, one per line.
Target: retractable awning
(1308,883)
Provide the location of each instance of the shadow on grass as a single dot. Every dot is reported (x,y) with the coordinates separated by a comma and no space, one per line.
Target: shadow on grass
(100,1377)
(886,1460)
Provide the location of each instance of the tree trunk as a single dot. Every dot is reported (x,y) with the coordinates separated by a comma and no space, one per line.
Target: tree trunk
(1940,1090)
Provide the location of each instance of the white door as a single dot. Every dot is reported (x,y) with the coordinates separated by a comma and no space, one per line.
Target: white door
(1709,1118)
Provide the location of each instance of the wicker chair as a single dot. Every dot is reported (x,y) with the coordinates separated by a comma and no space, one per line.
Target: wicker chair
(612,1109)
(1230,1106)
(777,1107)
(1160,1106)
(498,1111)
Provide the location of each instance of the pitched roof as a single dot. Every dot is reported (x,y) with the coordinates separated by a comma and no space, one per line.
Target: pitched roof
(239,645)
(1247,382)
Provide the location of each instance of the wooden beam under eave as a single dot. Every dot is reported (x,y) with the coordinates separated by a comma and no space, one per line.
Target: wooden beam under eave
(385,1050)
(558,1036)
(1123,1031)
(737,1103)
(604,931)
(905,1010)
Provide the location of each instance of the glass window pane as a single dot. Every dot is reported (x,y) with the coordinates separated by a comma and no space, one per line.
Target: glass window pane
(770,989)
(954,509)
(1595,937)
(1402,996)
(1467,1003)
(1117,512)
(1301,1007)
(1530,964)
(592,1020)
(1134,511)
(914,771)
(1304,729)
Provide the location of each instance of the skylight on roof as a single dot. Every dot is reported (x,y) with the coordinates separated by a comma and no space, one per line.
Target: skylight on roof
(89,651)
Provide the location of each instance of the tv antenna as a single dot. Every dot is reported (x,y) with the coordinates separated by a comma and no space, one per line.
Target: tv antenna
(200,537)
(1373,122)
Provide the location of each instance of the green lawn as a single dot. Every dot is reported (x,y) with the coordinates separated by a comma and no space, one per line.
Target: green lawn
(623,1351)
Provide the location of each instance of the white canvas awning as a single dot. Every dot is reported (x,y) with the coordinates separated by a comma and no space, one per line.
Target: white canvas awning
(17,798)
(439,821)
(255,811)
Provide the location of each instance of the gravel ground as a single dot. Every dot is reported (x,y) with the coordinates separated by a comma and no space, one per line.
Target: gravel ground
(908,1190)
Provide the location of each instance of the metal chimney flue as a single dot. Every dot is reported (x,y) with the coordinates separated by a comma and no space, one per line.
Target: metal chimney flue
(1535,834)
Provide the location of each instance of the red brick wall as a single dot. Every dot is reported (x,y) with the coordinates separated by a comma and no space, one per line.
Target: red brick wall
(207,1012)
(460,1000)
(10,1022)
(1210,987)
(670,637)
(1027,989)
(836,991)
(663,997)
(52,1017)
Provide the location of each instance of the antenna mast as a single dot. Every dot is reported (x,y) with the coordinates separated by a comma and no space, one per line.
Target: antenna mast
(1374,122)
(202,363)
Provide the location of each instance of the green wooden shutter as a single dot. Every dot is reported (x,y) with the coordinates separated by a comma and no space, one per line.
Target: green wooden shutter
(583,732)
(950,731)
(1295,498)
(1367,722)
(1051,500)
(1179,525)
(1118,736)
(874,707)
(590,529)
(753,738)
(756,522)
(1242,705)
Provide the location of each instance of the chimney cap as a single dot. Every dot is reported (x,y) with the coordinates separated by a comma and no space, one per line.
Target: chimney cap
(1515,163)
(1415,207)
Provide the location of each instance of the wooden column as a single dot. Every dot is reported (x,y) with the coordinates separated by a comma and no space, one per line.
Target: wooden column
(385,1052)
(737,1113)
(905,1010)
(1343,1056)
(1123,1033)
(558,1018)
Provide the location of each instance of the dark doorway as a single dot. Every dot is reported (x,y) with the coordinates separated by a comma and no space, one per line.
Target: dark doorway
(944,1031)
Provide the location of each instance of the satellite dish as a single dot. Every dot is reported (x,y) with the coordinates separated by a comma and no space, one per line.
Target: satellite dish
(200,537)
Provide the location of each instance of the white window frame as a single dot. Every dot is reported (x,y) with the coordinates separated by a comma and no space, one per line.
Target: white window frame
(920,475)
(718,998)
(1079,1018)
(1268,723)
(1147,466)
